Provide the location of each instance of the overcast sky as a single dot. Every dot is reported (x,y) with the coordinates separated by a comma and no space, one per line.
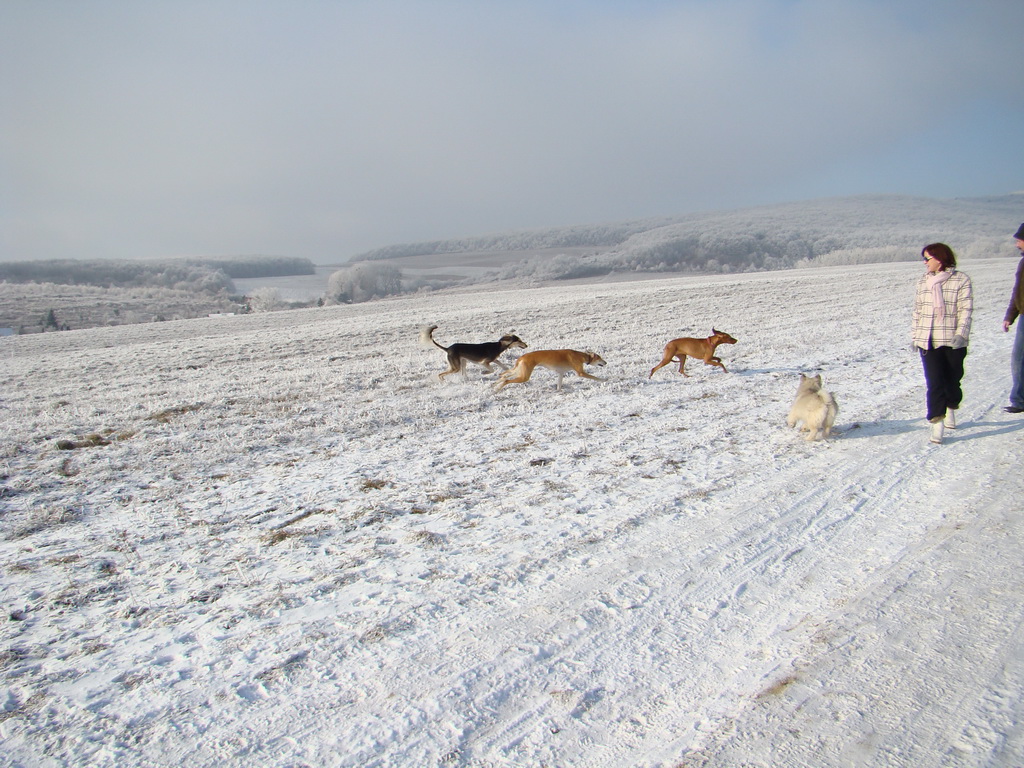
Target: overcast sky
(325,128)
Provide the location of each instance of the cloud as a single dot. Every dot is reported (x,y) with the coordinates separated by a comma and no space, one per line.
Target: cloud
(323,129)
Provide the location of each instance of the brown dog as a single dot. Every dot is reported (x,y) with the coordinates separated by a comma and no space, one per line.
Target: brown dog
(703,349)
(561,361)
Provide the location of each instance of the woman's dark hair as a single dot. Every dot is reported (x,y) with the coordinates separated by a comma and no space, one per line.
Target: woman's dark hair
(942,253)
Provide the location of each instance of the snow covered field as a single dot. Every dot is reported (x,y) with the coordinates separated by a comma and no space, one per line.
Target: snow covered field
(278,540)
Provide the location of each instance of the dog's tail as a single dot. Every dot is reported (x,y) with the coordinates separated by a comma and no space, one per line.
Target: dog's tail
(831,402)
(427,337)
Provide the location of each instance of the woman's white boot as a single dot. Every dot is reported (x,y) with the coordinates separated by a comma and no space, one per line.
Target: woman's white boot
(937,427)
(950,421)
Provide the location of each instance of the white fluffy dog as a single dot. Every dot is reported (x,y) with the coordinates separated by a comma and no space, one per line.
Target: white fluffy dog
(814,407)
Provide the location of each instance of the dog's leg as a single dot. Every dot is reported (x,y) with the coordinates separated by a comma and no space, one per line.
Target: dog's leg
(504,379)
(513,376)
(712,359)
(667,358)
(561,374)
(682,363)
(454,366)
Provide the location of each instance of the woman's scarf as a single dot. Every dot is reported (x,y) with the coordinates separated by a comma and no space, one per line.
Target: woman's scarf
(935,284)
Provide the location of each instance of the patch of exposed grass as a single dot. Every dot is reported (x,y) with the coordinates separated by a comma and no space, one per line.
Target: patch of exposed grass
(428,539)
(206,596)
(440,496)
(301,516)
(89,441)
(522,446)
(41,519)
(275,673)
(65,559)
(777,687)
(76,597)
(281,534)
(164,416)
(94,439)
(32,704)
(276,537)
(67,468)
(130,680)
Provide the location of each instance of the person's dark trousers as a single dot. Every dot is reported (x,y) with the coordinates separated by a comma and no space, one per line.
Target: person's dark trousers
(943,370)
(1017,362)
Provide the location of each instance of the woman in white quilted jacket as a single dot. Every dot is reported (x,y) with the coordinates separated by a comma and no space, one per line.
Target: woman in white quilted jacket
(941,329)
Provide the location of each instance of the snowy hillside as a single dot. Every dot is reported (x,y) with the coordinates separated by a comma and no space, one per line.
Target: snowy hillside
(278,540)
(824,232)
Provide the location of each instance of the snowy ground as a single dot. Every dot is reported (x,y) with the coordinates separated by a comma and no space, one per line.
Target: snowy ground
(277,540)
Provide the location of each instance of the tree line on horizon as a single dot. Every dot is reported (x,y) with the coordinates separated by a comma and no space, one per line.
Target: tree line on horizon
(212,275)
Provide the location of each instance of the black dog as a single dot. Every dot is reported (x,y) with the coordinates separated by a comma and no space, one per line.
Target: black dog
(481,354)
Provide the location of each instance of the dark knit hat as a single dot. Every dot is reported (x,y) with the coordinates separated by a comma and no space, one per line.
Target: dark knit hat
(1020,233)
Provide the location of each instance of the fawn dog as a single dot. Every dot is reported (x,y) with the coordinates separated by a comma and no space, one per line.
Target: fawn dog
(701,349)
(813,408)
(561,361)
(484,354)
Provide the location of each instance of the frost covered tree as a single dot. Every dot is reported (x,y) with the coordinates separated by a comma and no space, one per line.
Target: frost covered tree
(363,281)
(264,300)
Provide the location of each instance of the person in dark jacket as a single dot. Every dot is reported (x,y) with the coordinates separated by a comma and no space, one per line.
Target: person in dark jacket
(1015,310)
